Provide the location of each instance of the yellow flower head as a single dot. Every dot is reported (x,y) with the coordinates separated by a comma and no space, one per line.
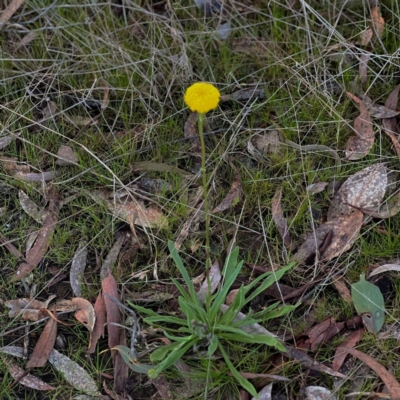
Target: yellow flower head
(202,97)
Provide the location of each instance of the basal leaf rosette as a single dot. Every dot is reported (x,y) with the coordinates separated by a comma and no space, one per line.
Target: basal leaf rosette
(202,97)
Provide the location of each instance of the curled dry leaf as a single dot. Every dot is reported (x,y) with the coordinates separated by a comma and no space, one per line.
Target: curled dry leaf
(78,267)
(6,140)
(318,187)
(265,393)
(385,268)
(66,156)
(279,219)
(360,145)
(28,309)
(366,188)
(107,266)
(27,380)
(85,313)
(211,283)
(74,374)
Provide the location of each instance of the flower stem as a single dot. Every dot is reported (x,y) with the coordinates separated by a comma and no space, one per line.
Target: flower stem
(205,191)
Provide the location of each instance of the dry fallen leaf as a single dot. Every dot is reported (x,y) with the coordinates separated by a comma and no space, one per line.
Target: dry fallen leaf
(42,243)
(265,393)
(66,156)
(318,393)
(133,211)
(31,208)
(78,266)
(85,312)
(44,345)
(279,219)
(341,352)
(363,67)
(366,36)
(269,142)
(99,325)
(378,23)
(27,380)
(10,10)
(385,268)
(390,124)
(190,131)
(360,145)
(377,110)
(211,283)
(6,140)
(109,286)
(308,362)
(366,188)
(388,379)
(28,309)
(341,287)
(332,238)
(74,374)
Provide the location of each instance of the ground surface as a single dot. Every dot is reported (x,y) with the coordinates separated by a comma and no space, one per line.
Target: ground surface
(107,80)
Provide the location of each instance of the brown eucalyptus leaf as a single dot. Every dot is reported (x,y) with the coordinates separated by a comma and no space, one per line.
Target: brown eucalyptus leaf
(388,379)
(28,309)
(343,290)
(366,188)
(30,207)
(44,345)
(377,110)
(360,145)
(342,232)
(133,211)
(85,313)
(66,156)
(366,36)
(341,353)
(78,266)
(109,286)
(390,124)
(73,373)
(99,324)
(279,219)
(42,243)
(27,380)
(234,195)
(108,264)
(363,67)
(378,23)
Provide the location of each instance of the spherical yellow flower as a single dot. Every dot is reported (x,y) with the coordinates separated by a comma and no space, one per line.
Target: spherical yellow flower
(202,97)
